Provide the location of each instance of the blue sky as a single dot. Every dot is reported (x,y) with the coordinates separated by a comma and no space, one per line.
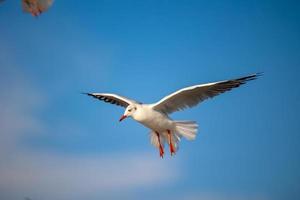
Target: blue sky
(58,144)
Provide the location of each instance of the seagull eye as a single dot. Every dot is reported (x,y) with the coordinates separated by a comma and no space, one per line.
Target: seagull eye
(129,110)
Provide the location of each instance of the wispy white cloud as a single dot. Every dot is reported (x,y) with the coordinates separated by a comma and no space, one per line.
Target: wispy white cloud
(220,196)
(53,175)
(18,103)
(50,176)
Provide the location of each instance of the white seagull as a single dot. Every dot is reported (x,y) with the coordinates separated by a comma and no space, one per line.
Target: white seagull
(36,7)
(155,116)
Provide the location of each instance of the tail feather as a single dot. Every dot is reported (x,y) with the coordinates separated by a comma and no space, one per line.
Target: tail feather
(164,139)
(187,129)
(154,139)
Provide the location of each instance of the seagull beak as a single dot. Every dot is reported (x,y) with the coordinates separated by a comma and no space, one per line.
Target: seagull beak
(123,117)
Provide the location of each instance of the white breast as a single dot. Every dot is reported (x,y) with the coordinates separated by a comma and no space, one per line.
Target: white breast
(153,119)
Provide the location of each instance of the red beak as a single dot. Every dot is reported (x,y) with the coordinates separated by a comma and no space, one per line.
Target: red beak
(123,117)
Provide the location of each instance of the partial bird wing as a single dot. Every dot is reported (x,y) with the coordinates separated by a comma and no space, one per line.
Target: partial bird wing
(191,96)
(112,98)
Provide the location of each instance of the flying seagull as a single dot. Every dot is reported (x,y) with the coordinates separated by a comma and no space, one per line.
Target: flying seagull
(155,116)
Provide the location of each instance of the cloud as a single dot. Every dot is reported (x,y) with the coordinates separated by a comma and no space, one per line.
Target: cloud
(18,103)
(221,196)
(25,172)
(42,176)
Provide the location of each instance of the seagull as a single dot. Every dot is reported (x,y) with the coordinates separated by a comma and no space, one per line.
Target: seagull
(155,116)
(36,7)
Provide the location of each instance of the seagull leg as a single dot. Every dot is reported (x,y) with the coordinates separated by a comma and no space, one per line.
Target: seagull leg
(161,149)
(172,149)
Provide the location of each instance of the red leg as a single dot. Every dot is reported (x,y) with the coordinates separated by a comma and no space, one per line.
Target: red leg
(161,149)
(172,149)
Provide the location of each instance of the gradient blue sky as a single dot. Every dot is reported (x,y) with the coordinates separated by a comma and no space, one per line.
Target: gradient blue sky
(58,144)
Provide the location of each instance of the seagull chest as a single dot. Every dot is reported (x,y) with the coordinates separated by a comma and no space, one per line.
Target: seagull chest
(153,119)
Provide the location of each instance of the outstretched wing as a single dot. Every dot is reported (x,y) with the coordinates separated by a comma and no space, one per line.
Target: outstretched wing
(112,98)
(191,96)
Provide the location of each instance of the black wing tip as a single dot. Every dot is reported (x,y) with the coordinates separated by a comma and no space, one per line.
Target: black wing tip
(87,93)
(258,74)
(250,77)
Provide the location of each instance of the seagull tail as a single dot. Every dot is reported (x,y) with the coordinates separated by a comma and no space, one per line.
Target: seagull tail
(154,139)
(187,129)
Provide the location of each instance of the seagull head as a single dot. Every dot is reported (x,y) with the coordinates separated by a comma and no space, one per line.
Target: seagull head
(130,110)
